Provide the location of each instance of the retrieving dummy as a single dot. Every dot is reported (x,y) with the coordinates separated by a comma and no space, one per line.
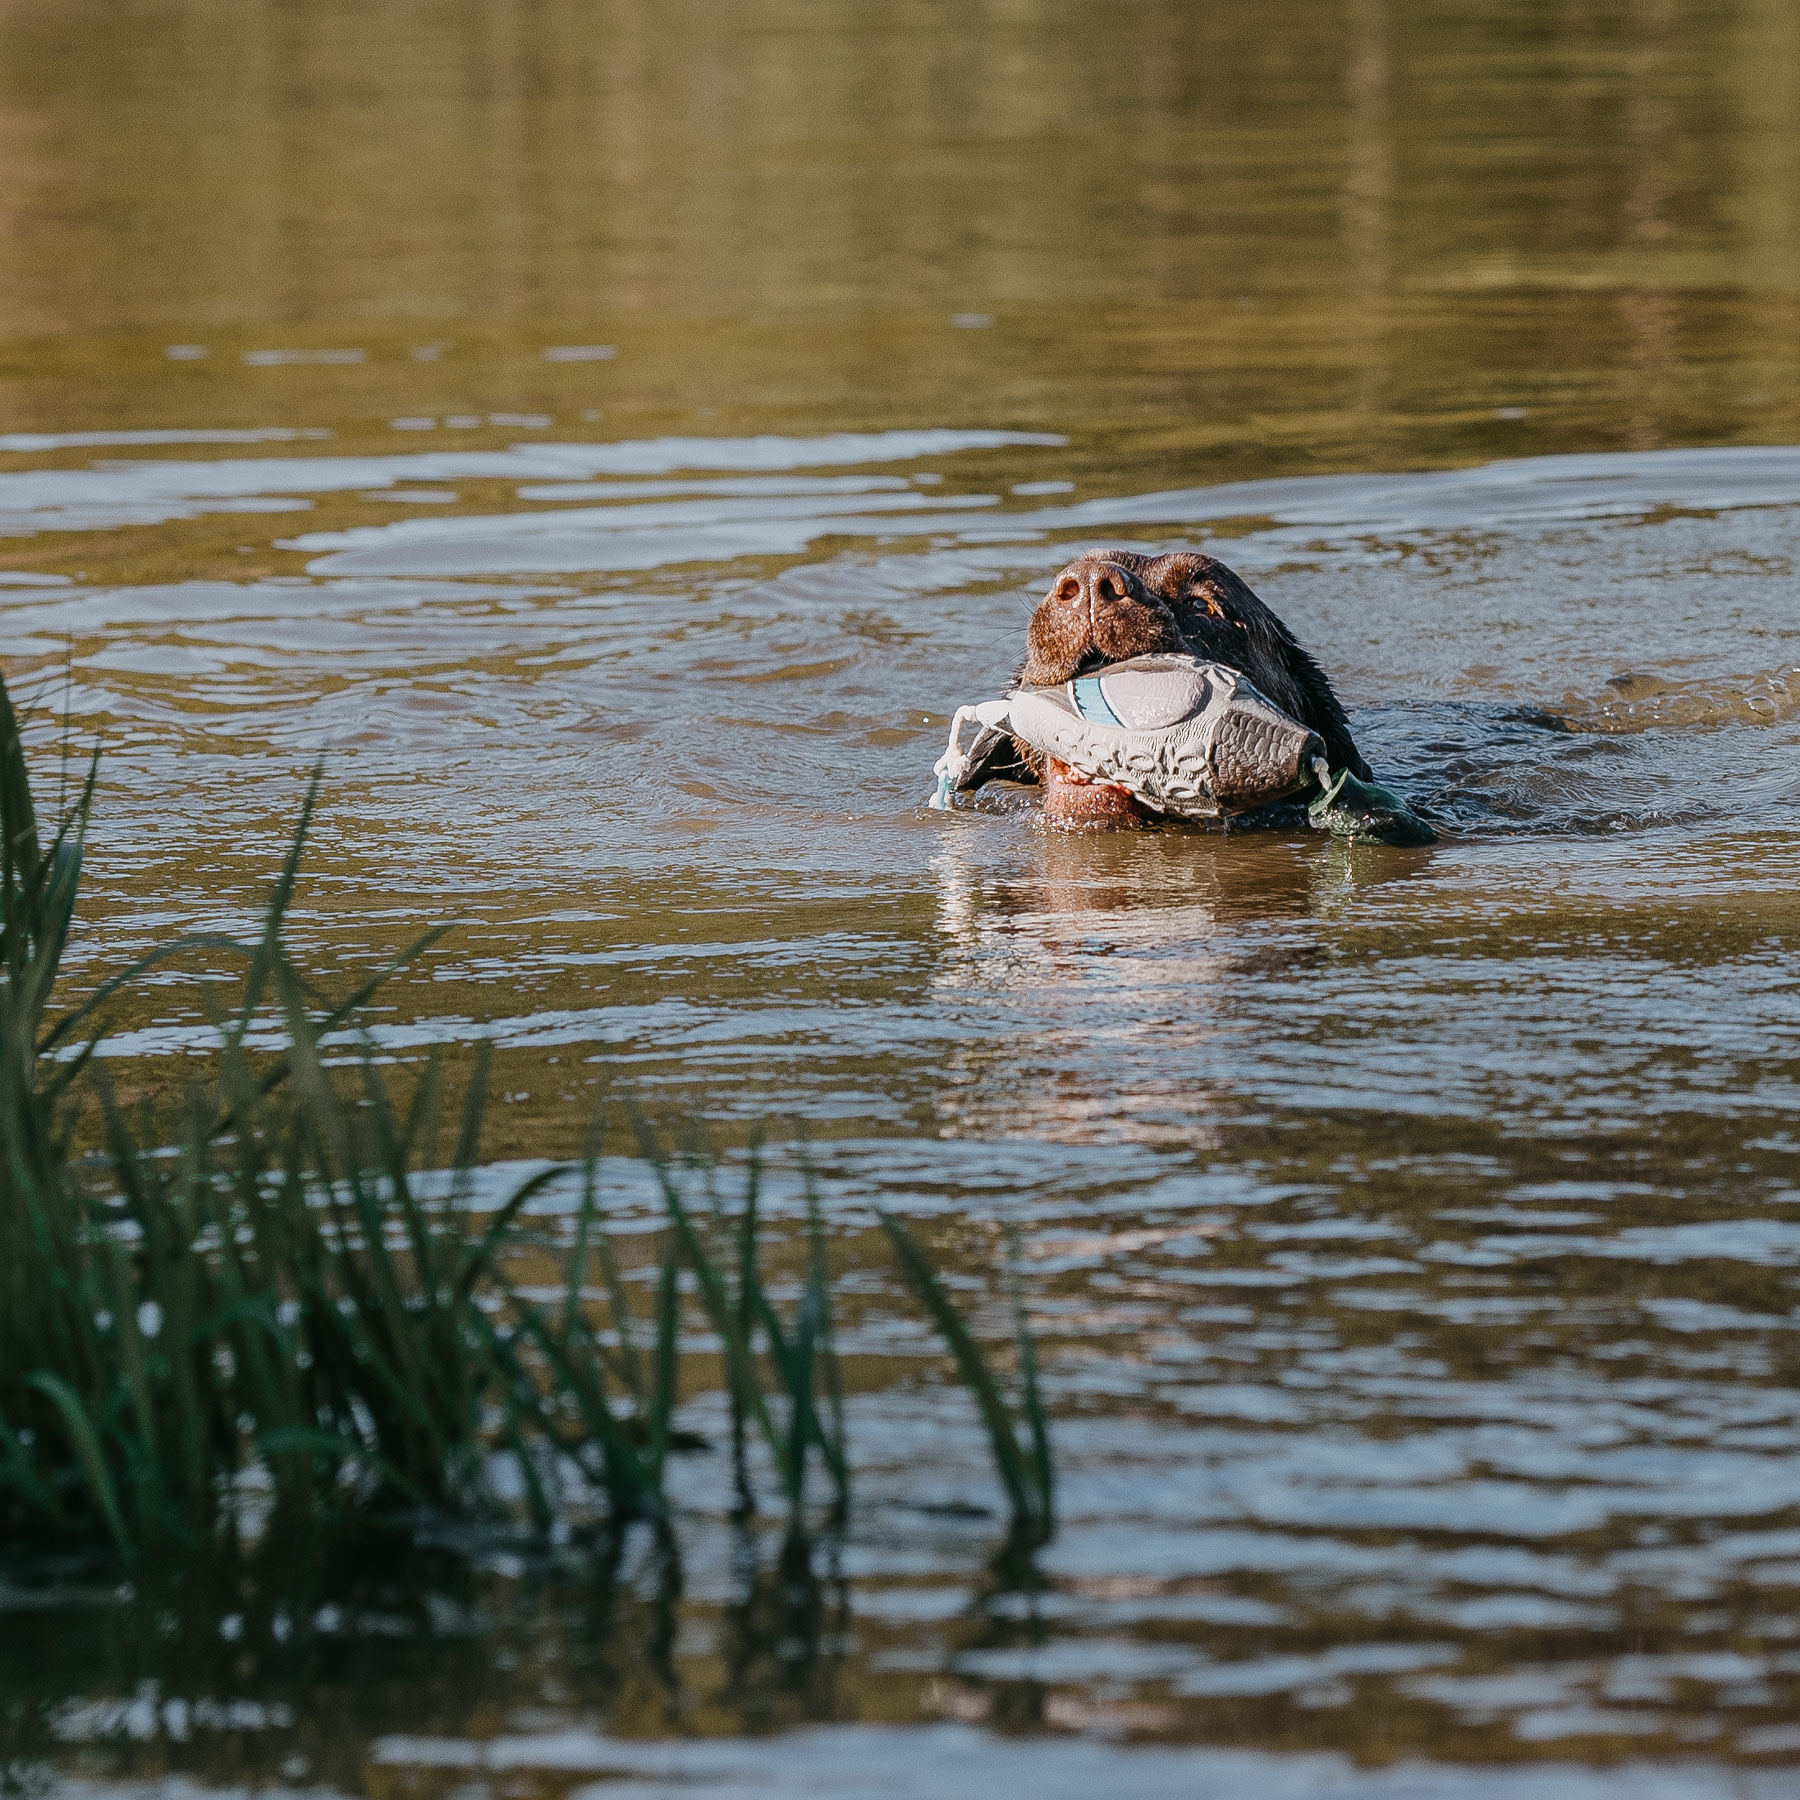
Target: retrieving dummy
(1186,738)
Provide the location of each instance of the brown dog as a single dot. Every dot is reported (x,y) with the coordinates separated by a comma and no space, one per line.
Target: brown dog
(1112,604)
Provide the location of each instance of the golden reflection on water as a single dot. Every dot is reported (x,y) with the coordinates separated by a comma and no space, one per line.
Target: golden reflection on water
(1380,233)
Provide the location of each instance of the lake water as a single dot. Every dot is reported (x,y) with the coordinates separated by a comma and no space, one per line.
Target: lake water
(615,438)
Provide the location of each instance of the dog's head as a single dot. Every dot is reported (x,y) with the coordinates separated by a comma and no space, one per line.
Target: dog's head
(1112,604)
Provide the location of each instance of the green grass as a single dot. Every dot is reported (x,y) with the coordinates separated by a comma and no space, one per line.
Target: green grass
(1019,1437)
(798,1352)
(275,1315)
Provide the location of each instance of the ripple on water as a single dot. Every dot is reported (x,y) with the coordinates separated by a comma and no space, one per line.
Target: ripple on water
(1408,1232)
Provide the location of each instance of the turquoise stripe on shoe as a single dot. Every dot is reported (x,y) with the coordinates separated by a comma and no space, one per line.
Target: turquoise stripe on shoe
(1090,702)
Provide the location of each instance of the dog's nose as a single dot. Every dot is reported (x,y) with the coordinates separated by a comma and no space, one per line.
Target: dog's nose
(1092,587)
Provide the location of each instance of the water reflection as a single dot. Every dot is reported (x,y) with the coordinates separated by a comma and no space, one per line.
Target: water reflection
(786,1635)
(1125,974)
(1410,234)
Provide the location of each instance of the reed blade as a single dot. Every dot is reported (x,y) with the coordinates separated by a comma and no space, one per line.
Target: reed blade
(971,1364)
(1043,1466)
(740,1366)
(89,1455)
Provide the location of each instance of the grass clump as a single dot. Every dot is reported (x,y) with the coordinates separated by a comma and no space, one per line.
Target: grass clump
(291,1316)
(801,1353)
(288,1311)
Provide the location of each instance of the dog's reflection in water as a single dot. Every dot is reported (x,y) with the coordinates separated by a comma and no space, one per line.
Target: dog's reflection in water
(1099,982)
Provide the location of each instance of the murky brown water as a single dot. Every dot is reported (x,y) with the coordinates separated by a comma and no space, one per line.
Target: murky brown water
(1412,1233)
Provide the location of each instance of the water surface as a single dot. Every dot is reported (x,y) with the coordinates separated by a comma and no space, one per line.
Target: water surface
(1411,1233)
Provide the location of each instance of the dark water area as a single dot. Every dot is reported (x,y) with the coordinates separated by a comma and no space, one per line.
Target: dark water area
(616,438)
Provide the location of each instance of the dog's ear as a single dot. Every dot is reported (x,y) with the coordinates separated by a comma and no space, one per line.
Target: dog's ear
(1218,611)
(1322,710)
